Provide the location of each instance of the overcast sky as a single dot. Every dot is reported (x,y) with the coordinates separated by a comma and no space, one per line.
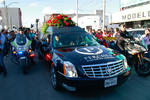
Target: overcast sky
(32,9)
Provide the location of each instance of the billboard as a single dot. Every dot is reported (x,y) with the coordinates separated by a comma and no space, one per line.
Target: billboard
(125,3)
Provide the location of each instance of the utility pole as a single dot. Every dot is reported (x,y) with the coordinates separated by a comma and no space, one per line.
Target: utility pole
(77,12)
(104,8)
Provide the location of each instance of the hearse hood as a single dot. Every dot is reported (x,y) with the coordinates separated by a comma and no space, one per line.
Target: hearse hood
(88,55)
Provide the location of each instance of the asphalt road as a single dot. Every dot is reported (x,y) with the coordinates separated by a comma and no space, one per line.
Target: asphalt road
(36,86)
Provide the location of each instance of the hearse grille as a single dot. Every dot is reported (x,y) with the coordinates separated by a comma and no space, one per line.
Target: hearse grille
(105,70)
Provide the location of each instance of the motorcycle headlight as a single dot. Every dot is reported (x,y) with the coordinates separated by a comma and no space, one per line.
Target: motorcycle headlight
(69,69)
(125,64)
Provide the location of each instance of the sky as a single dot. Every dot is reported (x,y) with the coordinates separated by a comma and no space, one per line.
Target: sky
(33,9)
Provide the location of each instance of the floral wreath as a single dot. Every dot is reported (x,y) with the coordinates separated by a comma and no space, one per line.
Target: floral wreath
(58,21)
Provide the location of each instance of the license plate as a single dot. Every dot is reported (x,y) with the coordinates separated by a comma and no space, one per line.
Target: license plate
(110,82)
(22,57)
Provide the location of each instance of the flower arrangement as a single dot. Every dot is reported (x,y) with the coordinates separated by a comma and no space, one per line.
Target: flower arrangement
(58,21)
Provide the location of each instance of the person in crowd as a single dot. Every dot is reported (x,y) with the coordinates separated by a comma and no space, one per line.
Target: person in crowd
(109,34)
(117,33)
(37,40)
(145,38)
(99,35)
(93,32)
(12,35)
(90,31)
(2,45)
(7,42)
(111,30)
(31,36)
(105,33)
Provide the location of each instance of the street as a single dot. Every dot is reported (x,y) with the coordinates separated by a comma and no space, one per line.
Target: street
(36,86)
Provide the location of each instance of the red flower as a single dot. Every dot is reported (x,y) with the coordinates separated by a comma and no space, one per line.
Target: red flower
(49,21)
(57,19)
(67,24)
(65,15)
(69,18)
(60,17)
(54,21)
(58,23)
(64,21)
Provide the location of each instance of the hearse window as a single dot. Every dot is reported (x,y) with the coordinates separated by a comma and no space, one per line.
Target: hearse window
(73,40)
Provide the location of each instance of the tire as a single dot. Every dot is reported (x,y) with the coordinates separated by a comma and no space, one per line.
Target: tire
(143,69)
(54,80)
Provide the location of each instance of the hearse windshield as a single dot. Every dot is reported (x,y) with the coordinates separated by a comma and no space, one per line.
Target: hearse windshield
(73,39)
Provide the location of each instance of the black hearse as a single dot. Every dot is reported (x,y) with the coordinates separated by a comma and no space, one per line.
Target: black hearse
(77,60)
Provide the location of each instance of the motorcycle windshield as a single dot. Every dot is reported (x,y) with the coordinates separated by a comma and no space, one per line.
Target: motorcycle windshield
(21,39)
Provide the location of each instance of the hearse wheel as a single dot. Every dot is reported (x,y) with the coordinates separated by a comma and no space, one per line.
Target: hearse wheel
(54,80)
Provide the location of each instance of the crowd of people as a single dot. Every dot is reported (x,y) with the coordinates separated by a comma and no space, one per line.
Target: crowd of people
(6,37)
(99,34)
(120,35)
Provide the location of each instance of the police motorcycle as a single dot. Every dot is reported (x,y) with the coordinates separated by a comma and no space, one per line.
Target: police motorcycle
(22,53)
(137,56)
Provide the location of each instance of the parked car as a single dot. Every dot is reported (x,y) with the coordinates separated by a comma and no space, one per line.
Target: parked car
(77,60)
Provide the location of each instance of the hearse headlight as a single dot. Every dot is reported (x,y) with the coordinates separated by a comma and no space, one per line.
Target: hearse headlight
(69,69)
(125,64)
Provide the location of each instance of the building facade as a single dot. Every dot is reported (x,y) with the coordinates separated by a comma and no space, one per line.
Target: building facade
(11,17)
(94,21)
(133,13)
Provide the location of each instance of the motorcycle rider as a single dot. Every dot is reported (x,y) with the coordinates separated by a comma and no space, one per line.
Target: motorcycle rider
(21,37)
(123,36)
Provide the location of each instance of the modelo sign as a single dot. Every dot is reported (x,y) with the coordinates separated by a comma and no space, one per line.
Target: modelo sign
(136,16)
(132,14)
